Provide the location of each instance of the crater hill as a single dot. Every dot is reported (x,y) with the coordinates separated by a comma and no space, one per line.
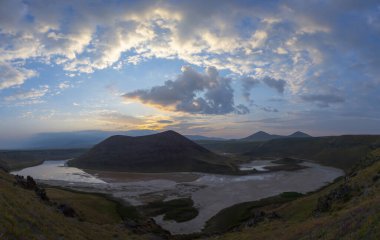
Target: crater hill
(162,152)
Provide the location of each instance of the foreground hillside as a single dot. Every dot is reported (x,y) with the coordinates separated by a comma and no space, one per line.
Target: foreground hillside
(24,215)
(347,209)
(162,152)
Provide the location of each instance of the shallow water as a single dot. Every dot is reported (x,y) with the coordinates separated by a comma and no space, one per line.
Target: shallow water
(210,192)
(259,165)
(57,170)
(225,191)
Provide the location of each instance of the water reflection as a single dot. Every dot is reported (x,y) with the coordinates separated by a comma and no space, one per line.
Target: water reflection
(57,170)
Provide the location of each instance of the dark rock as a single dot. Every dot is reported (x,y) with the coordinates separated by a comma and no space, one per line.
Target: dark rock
(340,194)
(27,183)
(130,223)
(273,215)
(41,193)
(30,183)
(67,210)
(376,177)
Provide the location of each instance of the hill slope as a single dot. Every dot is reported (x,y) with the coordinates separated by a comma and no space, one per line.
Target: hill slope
(260,137)
(340,151)
(299,134)
(162,152)
(25,216)
(337,151)
(263,136)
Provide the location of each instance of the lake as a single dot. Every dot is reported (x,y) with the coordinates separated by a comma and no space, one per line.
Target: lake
(210,192)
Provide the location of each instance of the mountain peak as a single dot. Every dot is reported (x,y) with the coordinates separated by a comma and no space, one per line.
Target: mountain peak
(169,133)
(167,151)
(261,133)
(260,136)
(299,134)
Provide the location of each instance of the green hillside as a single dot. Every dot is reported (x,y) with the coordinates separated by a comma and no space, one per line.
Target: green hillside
(24,215)
(340,151)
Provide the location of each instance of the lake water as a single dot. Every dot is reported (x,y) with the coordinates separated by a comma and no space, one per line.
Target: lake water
(57,170)
(210,192)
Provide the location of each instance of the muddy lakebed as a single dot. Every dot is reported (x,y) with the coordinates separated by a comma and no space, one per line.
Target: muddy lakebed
(209,192)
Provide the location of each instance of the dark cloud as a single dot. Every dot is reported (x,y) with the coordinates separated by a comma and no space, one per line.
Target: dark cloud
(249,83)
(277,84)
(165,121)
(269,109)
(193,92)
(241,109)
(323,100)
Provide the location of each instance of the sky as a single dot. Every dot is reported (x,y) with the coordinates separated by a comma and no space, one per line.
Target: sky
(214,68)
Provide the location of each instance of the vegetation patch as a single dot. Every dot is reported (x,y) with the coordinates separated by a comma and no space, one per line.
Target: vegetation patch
(248,213)
(179,210)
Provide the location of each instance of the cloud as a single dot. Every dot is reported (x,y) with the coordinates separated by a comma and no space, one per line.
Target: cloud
(165,121)
(11,76)
(192,92)
(113,119)
(323,100)
(241,109)
(269,109)
(64,85)
(33,94)
(248,83)
(277,84)
(291,45)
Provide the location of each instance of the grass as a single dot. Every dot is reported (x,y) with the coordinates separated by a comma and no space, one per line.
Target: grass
(179,210)
(24,216)
(233,216)
(89,207)
(98,201)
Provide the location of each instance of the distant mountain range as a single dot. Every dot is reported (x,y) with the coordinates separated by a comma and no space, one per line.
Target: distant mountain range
(161,152)
(87,139)
(199,138)
(76,139)
(263,136)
